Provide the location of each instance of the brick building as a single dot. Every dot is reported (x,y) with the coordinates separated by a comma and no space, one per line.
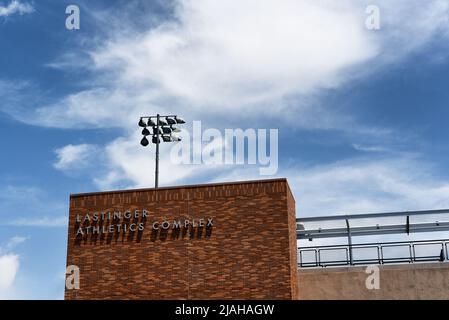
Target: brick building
(215,241)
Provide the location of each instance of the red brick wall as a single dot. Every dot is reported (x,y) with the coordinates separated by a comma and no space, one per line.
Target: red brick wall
(291,207)
(249,253)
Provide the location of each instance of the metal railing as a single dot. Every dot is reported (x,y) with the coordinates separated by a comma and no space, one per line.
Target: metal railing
(373,253)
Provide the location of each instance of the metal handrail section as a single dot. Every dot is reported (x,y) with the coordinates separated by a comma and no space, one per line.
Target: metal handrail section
(372,215)
(372,230)
(381,257)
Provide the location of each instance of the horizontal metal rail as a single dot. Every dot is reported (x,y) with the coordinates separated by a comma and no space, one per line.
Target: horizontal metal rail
(371,215)
(316,256)
(373,230)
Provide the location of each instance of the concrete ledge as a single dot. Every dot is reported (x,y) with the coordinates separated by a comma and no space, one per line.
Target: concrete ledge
(402,281)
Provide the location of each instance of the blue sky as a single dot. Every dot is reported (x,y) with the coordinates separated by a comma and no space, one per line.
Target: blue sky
(362,114)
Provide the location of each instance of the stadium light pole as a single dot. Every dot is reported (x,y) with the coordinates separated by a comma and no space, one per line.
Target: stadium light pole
(161,128)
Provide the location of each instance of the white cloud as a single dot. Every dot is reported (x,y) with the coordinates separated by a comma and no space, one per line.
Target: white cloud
(14,95)
(15,6)
(243,53)
(32,207)
(23,197)
(352,186)
(408,25)
(129,165)
(363,148)
(223,61)
(369,186)
(219,57)
(45,222)
(74,156)
(9,265)
(12,193)
(360,185)
(16,240)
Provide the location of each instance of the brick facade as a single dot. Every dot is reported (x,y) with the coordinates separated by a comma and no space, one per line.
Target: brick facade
(248,253)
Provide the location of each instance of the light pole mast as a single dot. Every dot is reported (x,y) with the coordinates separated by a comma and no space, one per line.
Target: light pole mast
(161,129)
(156,181)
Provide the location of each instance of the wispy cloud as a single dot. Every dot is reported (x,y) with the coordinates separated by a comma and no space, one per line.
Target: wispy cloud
(374,185)
(360,185)
(16,240)
(37,208)
(18,196)
(45,222)
(214,59)
(15,6)
(72,157)
(364,148)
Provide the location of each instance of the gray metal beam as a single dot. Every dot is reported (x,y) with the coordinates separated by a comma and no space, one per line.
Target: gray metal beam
(371,215)
(372,230)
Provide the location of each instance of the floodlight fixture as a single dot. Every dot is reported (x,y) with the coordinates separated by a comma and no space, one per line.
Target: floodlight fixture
(145,132)
(166,138)
(179,120)
(170,121)
(144,142)
(142,123)
(166,130)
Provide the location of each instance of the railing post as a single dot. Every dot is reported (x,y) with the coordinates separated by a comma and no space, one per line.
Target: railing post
(379,258)
(351,261)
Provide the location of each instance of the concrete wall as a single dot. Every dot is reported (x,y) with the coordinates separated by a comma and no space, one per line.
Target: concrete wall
(249,253)
(410,281)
